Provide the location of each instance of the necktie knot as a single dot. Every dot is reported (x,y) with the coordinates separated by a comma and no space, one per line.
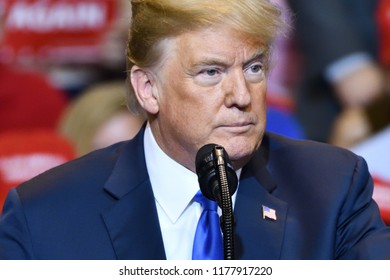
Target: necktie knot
(206,203)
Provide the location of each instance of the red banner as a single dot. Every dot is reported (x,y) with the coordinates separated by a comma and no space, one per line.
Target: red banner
(55,30)
(383,21)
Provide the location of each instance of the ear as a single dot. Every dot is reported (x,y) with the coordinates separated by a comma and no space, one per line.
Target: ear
(145,89)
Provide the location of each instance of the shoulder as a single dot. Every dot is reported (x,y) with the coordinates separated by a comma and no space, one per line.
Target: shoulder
(307,149)
(49,207)
(84,180)
(84,175)
(310,160)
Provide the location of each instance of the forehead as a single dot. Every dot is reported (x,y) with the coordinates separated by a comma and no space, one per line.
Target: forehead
(219,43)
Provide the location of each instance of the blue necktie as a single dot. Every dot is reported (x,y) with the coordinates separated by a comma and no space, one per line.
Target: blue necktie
(208,238)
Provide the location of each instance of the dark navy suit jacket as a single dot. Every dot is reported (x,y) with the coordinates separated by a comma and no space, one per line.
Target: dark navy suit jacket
(101,206)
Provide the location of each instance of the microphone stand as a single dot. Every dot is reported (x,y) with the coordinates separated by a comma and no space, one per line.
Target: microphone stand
(218,181)
(227,218)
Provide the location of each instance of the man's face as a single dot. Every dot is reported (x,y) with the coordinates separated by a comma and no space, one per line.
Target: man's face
(211,89)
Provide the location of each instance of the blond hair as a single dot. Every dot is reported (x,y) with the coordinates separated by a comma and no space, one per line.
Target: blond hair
(155,20)
(88,111)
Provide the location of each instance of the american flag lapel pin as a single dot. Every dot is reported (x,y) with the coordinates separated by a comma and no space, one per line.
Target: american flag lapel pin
(269,213)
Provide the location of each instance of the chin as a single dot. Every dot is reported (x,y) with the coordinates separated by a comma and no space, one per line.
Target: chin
(238,155)
(239,148)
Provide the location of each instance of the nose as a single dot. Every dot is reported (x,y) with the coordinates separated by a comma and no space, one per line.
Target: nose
(237,94)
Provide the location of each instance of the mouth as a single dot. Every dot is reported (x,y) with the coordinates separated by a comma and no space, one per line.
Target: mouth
(238,127)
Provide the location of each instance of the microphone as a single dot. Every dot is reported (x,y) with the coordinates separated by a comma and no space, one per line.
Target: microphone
(209,159)
(218,181)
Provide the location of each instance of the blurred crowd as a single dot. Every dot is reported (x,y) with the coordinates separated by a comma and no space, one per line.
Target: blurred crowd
(63,72)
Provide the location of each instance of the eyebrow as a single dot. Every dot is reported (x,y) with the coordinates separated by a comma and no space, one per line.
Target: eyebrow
(209,62)
(258,55)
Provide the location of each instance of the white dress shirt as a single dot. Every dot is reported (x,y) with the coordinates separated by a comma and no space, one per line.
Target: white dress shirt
(174,187)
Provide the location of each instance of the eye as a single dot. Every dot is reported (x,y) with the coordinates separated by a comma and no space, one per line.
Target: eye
(254,72)
(256,68)
(209,76)
(210,72)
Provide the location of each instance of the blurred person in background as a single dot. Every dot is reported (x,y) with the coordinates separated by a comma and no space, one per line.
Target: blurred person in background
(338,43)
(376,117)
(28,100)
(99,117)
(359,123)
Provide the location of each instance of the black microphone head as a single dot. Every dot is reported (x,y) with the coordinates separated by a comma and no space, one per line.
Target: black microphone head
(206,169)
(204,156)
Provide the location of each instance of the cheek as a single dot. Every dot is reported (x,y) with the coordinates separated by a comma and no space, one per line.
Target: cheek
(191,123)
(259,98)
(191,118)
(188,104)
(177,114)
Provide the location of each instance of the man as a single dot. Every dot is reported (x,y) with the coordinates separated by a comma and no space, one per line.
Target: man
(198,70)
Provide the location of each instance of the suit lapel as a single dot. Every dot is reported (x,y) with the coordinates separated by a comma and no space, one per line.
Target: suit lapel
(258,237)
(132,221)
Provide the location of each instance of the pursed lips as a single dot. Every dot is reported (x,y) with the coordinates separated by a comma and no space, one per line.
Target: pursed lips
(238,127)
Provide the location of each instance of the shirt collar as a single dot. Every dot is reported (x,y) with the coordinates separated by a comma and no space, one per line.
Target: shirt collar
(174,186)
